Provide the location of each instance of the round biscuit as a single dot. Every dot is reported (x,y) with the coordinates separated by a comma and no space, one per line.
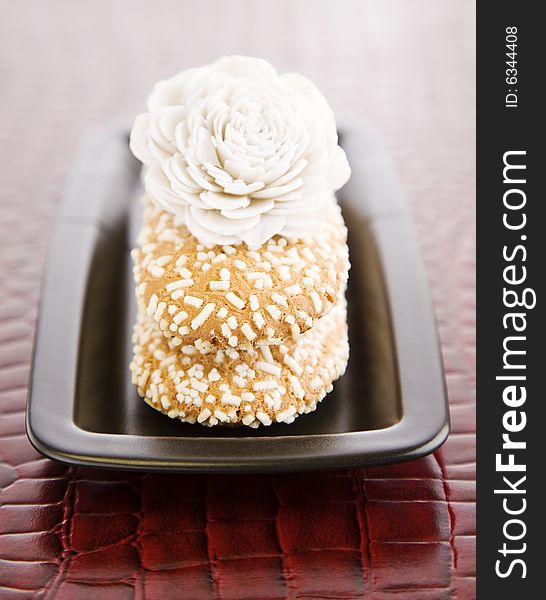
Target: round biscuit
(253,387)
(234,296)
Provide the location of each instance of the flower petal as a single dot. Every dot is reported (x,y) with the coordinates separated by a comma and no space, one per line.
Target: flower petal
(340,171)
(295,170)
(267,228)
(199,177)
(222,201)
(241,170)
(205,151)
(273,191)
(138,139)
(256,207)
(214,221)
(205,235)
(240,187)
(176,168)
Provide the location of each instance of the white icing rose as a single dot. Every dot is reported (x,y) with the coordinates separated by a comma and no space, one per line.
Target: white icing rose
(240,153)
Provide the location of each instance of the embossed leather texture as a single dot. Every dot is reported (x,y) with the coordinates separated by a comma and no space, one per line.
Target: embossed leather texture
(403,532)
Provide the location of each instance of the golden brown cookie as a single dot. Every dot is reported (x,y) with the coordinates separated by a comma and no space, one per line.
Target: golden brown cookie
(234,296)
(244,387)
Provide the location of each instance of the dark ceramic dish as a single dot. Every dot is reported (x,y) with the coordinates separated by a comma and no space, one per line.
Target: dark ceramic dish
(390,406)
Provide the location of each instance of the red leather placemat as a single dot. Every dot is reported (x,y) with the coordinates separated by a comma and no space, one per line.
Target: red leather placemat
(402,532)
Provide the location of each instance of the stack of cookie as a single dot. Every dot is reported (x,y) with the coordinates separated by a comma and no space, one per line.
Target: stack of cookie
(241,309)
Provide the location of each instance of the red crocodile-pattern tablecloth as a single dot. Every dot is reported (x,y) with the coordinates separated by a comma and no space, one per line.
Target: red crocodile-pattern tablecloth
(403,532)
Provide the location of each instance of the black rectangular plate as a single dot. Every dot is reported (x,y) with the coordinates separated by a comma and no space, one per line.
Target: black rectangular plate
(390,406)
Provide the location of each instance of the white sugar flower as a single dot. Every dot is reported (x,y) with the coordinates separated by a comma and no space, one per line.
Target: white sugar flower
(240,153)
